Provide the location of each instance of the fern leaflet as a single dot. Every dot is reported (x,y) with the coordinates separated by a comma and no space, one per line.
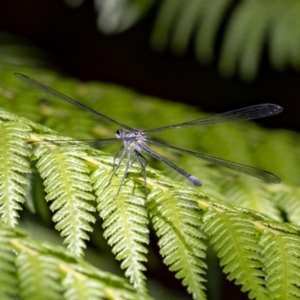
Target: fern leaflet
(176,220)
(38,276)
(281,257)
(125,223)
(288,199)
(8,282)
(252,195)
(78,286)
(235,240)
(67,184)
(50,272)
(13,166)
(245,38)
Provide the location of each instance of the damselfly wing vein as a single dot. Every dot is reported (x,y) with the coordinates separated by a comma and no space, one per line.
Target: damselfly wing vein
(135,141)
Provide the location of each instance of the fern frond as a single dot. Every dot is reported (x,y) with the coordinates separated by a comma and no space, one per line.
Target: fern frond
(281,258)
(245,38)
(78,286)
(67,184)
(288,199)
(252,25)
(125,223)
(118,15)
(163,25)
(252,195)
(176,220)
(185,25)
(38,276)
(284,34)
(50,272)
(206,34)
(8,284)
(98,284)
(90,283)
(272,153)
(230,136)
(13,168)
(235,240)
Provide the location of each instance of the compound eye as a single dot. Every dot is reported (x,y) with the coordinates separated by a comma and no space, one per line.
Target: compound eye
(118,133)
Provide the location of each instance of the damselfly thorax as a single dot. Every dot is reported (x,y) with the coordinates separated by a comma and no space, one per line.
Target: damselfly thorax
(132,140)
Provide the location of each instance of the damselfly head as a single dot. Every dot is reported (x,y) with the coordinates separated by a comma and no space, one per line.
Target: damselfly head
(118,133)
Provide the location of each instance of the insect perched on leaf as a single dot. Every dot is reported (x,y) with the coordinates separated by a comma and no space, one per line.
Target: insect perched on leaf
(135,141)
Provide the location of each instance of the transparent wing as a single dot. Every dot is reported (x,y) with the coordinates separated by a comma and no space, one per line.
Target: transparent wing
(44,88)
(246,113)
(255,172)
(92,143)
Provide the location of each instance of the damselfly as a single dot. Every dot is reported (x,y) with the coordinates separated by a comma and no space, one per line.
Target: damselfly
(135,141)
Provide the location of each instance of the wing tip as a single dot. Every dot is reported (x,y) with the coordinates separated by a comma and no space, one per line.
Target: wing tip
(273,179)
(274,108)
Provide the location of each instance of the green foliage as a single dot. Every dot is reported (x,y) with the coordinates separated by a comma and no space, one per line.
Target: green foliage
(36,273)
(8,274)
(117,16)
(241,217)
(13,167)
(249,26)
(261,256)
(176,221)
(68,186)
(280,265)
(235,240)
(125,224)
(32,270)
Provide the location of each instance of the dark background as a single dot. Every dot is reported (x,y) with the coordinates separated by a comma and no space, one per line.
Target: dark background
(74,44)
(78,49)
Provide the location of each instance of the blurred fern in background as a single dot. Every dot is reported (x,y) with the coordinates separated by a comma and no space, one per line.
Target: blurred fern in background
(243,28)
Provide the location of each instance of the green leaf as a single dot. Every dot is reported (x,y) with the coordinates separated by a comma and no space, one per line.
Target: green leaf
(250,26)
(281,257)
(236,242)
(13,168)
(176,220)
(125,224)
(68,186)
(8,282)
(35,270)
(38,276)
